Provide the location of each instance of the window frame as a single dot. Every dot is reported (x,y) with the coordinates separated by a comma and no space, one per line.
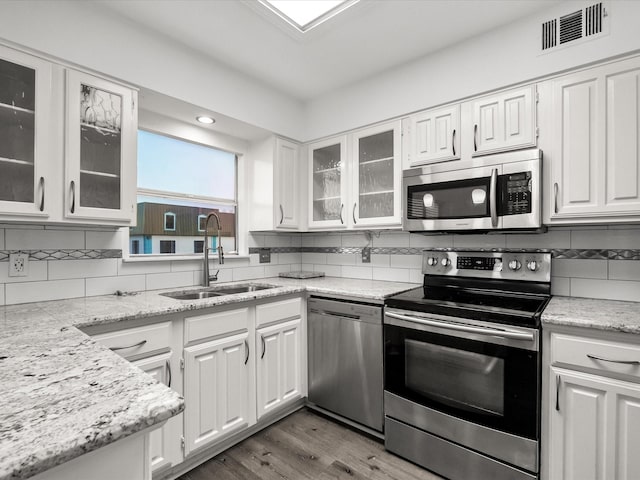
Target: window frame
(167,215)
(205,220)
(240,251)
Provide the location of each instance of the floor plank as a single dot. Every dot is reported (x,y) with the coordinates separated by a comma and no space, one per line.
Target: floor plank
(308,446)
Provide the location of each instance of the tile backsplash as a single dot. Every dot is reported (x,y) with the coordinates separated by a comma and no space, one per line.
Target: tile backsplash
(67,262)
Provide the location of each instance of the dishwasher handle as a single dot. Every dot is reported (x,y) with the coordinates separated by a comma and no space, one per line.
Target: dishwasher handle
(334,314)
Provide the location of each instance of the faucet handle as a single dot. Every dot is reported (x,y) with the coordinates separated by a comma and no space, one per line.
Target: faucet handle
(214,277)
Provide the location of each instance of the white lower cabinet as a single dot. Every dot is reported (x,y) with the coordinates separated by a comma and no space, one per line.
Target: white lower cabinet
(216,390)
(595,428)
(164,442)
(279,376)
(593,408)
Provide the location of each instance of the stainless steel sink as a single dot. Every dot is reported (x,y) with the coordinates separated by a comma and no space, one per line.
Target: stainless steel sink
(216,291)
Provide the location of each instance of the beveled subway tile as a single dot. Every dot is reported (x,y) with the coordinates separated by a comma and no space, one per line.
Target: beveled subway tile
(27,239)
(105,267)
(109,285)
(579,268)
(43,291)
(156,281)
(607,289)
(391,274)
(560,286)
(366,273)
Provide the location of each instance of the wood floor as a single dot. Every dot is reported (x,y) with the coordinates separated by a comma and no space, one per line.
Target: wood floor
(306,445)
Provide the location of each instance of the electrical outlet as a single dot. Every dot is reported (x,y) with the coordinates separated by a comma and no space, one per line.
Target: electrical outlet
(366,255)
(18,264)
(265,255)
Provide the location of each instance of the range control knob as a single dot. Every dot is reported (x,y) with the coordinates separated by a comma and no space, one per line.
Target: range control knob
(514,265)
(432,261)
(532,265)
(445,262)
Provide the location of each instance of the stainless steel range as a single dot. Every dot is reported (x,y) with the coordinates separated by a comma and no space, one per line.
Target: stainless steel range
(462,364)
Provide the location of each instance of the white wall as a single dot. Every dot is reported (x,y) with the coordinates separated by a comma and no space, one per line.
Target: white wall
(500,58)
(85,34)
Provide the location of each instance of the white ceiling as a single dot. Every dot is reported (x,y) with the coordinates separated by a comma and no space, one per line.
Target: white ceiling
(365,40)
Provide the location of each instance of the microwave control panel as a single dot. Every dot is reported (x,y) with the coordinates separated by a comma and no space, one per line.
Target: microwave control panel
(516,193)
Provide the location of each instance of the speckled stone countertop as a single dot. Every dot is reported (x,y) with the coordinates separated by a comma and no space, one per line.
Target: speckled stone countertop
(63,394)
(611,315)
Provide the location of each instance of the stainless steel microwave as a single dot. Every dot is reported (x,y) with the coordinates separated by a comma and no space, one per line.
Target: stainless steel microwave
(504,193)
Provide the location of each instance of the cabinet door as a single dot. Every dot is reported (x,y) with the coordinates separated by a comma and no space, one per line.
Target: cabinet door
(328,183)
(377,176)
(505,121)
(100,146)
(595,156)
(216,390)
(164,442)
(576,159)
(595,427)
(434,136)
(287,185)
(279,376)
(25,152)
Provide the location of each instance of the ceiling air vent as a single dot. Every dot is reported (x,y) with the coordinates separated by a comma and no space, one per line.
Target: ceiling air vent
(593,19)
(571,27)
(580,25)
(549,34)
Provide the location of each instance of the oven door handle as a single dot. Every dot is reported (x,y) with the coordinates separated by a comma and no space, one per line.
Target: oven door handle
(510,334)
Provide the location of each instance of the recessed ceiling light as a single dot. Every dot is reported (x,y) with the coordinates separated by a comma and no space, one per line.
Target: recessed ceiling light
(205,119)
(306,14)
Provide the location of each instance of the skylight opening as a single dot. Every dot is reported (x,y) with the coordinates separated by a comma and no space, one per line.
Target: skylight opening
(307,14)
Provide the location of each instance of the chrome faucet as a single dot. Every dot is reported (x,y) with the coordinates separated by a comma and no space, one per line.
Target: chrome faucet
(207,278)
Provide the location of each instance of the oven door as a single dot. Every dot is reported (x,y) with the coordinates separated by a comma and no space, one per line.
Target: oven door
(483,373)
(457,200)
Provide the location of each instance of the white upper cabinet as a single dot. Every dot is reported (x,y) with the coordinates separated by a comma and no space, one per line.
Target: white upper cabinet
(25,156)
(355,180)
(594,154)
(504,121)
(100,149)
(287,181)
(276,185)
(67,154)
(432,136)
(328,184)
(376,173)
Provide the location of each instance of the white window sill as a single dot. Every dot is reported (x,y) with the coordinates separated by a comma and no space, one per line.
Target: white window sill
(169,257)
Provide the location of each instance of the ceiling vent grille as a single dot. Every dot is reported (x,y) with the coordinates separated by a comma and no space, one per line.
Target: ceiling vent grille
(549,34)
(571,27)
(593,19)
(582,24)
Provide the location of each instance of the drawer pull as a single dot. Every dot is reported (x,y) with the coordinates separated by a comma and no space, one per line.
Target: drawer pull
(558,393)
(139,344)
(168,374)
(246,347)
(625,362)
(264,347)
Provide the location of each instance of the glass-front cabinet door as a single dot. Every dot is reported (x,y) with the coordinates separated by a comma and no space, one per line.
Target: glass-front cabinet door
(25,97)
(100,149)
(377,176)
(328,183)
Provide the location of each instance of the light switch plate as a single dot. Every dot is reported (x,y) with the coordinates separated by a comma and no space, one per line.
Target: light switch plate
(18,264)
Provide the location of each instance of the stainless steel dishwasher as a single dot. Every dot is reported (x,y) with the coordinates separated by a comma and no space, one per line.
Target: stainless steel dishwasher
(345,360)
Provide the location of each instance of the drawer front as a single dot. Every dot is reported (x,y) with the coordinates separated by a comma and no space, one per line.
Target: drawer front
(215,324)
(139,340)
(277,311)
(604,355)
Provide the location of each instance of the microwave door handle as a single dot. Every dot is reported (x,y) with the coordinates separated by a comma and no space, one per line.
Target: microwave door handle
(493,198)
(510,334)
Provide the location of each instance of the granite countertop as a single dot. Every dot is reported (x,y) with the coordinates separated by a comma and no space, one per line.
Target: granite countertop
(611,315)
(63,394)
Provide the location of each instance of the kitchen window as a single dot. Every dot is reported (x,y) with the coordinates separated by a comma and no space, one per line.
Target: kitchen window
(179,184)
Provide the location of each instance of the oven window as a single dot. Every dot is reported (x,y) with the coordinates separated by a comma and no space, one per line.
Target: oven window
(456,199)
(465,380)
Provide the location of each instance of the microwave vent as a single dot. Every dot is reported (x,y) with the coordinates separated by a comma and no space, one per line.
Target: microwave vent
(583,24)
